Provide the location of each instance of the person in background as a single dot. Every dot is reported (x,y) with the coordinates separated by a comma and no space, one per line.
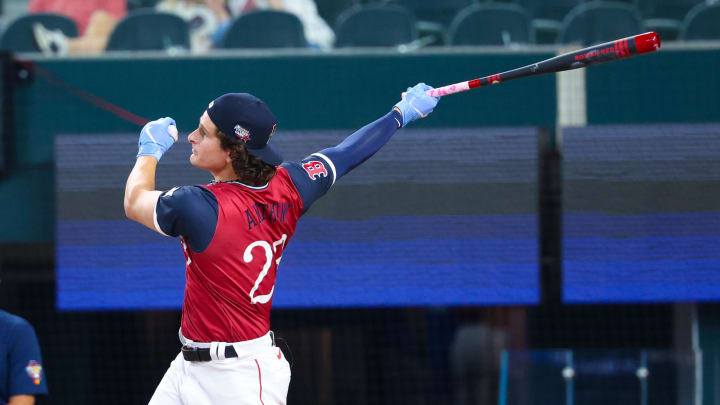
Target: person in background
(203,18)
(202,21)
(95,20)
(21,371)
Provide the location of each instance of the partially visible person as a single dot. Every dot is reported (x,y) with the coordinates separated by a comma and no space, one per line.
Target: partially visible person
(81,11)
(317,31)
(203,18)
(233,232)
(95,19)
(21,371)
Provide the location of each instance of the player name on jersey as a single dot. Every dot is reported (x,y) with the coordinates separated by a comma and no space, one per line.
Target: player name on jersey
(258,213)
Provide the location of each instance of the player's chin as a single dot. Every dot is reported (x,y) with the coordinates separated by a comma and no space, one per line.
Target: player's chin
(199,163)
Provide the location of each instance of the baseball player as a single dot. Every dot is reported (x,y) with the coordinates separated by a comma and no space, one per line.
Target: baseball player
(233,232)
(21,372)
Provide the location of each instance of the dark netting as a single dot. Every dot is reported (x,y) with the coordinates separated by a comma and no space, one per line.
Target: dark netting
(380,356)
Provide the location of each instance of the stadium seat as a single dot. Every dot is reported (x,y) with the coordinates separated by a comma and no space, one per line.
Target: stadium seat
(665,16)
(549,10)
(547,16)
(702,22)
(441,12)
(148,30)
(138,4)
(265,29)
(600,21)
(329,10)
(375,25)
(433,18)
(18,37)
(491,24)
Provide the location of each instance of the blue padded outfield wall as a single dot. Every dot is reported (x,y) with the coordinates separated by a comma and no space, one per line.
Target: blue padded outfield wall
(437,217)
(641,213)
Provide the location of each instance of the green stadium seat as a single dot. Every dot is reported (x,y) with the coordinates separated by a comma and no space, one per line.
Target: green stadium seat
(433,18)
(149,30)
(441,12)
(600,21)
(375,25)
(702,22)
(18,36)
(329,10)
(547,16)
(665,16)
(492,24)
(265,29)
(140,4)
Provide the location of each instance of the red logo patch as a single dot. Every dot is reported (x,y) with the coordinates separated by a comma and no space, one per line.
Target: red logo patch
(315,169)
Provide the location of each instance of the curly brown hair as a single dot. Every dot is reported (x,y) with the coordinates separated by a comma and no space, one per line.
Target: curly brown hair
(249,169)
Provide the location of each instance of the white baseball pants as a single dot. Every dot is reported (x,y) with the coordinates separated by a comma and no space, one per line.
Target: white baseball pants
(259,376)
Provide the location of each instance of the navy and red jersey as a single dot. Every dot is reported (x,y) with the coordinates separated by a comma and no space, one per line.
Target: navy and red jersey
(21,371)
(233,235)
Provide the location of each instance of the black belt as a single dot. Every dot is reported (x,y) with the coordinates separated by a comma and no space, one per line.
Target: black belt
(199,354)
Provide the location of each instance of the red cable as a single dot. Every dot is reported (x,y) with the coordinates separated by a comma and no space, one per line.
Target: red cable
(91,98)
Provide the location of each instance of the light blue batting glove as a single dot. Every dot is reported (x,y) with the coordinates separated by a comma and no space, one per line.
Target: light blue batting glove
(416,104)
(157,137)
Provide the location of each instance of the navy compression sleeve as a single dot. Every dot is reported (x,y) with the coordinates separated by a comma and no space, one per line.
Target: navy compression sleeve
(314,175)
(362,144)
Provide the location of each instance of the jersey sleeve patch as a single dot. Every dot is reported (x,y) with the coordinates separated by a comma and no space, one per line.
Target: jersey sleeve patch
(190,211)
(319,167)
(315,169)
(312,176)
(27,376)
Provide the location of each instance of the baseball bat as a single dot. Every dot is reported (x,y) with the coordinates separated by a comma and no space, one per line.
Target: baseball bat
(593,55)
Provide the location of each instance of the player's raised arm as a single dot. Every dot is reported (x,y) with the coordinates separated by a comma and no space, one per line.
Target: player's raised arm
(141,197)
(314,175)
(365,142)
